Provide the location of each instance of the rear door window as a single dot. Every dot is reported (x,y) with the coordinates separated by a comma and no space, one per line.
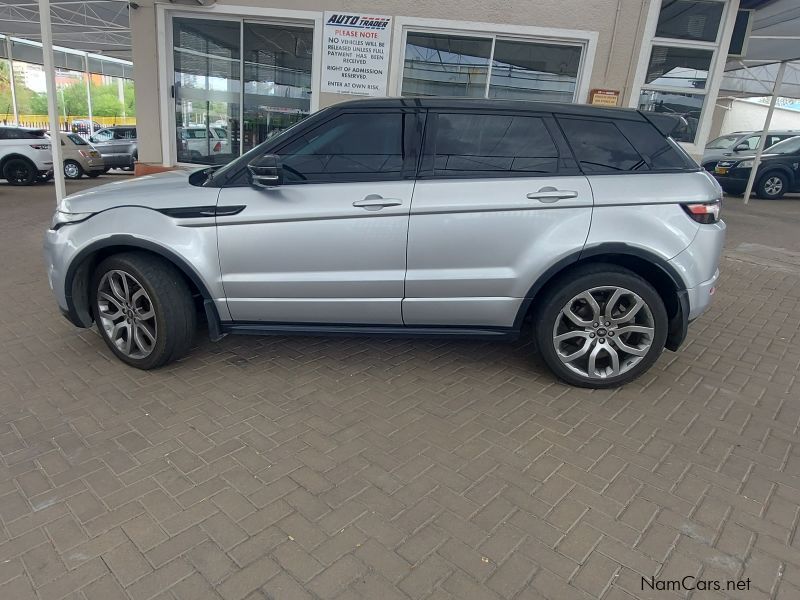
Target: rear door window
(659,152)
(472,145)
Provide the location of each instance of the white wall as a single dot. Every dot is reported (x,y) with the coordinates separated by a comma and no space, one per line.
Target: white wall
(746,115)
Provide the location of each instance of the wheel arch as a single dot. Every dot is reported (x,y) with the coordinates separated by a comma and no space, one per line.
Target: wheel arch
(647,265)
(12,156)
(79,274)
(779,168)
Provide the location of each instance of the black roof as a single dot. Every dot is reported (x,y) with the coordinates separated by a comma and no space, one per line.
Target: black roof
(564,108)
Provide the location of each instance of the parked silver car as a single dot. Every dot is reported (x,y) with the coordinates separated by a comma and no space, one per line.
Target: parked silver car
(118,145)
(587,228)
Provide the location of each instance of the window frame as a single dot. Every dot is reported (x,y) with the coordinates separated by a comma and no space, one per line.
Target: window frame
(428,155)
(711,89)
(585,39)
(165,13)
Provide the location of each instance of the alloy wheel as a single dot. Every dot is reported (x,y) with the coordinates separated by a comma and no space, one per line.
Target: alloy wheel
(603,332)
(773,186)
(127,314)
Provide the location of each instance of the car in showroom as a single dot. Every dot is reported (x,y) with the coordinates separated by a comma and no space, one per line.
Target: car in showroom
(586,229)
(118,146)
(739,143)
(778,171)
(80,157)
(25,155)
(196,142)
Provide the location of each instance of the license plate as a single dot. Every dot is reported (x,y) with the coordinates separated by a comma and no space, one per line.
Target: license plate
(721,170)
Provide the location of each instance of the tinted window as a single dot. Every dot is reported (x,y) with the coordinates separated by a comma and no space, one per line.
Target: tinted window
(480,145)
(600,147)
(102,136)
(690,19)
(350,147)
(656,150)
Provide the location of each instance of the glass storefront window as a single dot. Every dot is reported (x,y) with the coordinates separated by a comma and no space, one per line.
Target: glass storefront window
(678,67)
(533,71)
(685,106)
(277,79)
(690,19)
(454,65)
(444,65)
(207,89)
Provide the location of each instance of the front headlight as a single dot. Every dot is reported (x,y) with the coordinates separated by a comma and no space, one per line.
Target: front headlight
(745,164)
(61,218)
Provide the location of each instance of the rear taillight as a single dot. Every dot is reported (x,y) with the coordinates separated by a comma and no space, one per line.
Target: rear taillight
(706,213)
(218,147)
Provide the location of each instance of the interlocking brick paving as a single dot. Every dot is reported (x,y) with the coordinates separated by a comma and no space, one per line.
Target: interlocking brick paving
(369,468)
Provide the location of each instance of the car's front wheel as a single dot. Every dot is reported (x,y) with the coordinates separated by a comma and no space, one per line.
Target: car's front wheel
(143,309)
(602,326)
(19,171)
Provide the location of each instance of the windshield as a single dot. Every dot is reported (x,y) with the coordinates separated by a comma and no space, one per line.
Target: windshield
(723,142)
(790,146)
(77,140)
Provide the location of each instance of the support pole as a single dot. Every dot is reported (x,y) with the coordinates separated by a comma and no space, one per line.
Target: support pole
(52,98)
(13,81)
(88,92)
(776,88)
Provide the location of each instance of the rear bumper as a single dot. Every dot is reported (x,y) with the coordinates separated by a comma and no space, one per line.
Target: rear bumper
(701,295)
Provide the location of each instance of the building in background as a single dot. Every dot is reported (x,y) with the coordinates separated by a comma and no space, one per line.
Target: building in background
(250,68)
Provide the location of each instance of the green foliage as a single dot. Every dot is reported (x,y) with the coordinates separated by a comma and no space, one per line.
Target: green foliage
(71,98)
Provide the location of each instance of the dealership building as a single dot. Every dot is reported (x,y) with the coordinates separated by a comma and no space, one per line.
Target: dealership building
(213,79)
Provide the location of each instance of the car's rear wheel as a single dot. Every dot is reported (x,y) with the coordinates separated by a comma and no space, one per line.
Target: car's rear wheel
(19,171)
(602,326)
(772,186)
(72,169)
(143,309)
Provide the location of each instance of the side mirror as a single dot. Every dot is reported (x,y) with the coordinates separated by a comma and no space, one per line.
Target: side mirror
(741,148)
(266,171)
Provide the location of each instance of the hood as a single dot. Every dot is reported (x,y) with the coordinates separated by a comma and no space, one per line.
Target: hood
(162,190)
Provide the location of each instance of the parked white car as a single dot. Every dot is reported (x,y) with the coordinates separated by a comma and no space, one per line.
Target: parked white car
(25,155)
(197,141)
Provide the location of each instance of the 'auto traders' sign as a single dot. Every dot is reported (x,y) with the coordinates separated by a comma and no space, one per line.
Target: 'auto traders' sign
(356,59)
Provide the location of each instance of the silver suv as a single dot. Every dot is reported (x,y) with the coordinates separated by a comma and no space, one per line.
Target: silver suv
(586,228)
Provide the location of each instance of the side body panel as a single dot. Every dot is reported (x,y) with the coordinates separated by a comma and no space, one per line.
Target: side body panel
(305,254)
(476,246)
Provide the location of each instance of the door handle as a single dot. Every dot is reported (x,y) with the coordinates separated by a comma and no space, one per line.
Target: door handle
(376,202)
(550,194)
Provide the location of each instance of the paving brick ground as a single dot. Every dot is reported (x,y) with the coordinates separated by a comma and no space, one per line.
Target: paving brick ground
(379,469)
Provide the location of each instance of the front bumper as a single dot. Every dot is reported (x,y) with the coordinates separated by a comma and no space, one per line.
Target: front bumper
(734,181)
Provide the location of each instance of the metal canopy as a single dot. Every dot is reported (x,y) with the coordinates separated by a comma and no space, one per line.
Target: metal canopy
(98,26)
(774,39)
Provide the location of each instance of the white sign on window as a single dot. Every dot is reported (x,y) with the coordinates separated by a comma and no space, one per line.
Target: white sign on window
(356,54)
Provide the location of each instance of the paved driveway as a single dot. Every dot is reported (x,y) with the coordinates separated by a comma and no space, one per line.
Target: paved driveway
(381,469)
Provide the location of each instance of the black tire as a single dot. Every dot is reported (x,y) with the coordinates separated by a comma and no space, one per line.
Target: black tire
(589,277)
(72,169)
(94,174)
(171,302)
(772,186)
(20,171)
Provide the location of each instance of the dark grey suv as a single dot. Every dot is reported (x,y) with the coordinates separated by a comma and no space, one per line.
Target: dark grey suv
(118,145)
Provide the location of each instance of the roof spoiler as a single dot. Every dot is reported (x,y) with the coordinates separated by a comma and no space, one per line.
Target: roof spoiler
(665,123)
